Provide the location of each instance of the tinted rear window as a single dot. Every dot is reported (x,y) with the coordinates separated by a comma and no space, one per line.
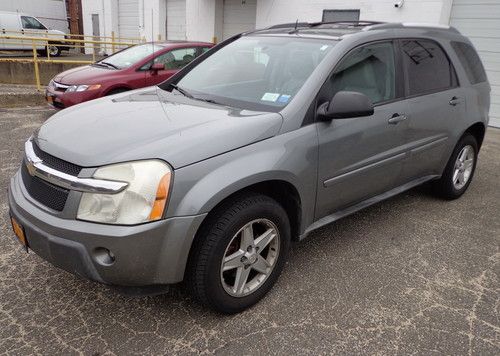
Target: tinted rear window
(470,62)
(428,69)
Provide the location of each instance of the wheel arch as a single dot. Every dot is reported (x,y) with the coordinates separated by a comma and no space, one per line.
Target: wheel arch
(117,87)
(284,192)
(477,130)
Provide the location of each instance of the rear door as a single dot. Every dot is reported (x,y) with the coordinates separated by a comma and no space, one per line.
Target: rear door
(362,157)
(436,106)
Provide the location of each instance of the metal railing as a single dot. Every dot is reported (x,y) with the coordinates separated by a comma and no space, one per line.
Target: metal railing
(37,42)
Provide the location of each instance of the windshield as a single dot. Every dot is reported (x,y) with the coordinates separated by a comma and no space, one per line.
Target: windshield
(130,56)
(256,73)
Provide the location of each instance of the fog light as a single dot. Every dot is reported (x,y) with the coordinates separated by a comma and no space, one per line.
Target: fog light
(104,256)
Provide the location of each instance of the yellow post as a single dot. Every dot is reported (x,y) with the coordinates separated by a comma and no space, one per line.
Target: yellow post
(48,50)
(159,37)
(35,63)
(113,41)
(214,40)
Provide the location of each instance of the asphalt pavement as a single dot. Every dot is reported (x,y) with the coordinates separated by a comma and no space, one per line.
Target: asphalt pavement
(411,275)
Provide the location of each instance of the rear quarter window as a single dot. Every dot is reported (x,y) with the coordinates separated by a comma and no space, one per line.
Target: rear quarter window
(470,61)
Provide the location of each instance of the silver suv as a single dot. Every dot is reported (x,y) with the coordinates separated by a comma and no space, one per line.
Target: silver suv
(268,136)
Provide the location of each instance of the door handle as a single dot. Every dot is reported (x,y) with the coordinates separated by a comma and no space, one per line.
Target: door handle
(454,101)
(396,118)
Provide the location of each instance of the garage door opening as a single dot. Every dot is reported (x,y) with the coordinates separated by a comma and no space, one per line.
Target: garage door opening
(128,18)
(233,17)
(176,19)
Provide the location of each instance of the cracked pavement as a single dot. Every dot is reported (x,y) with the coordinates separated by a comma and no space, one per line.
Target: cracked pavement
(411,275)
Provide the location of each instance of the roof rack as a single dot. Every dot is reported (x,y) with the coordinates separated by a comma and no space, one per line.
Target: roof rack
(399,25)
(321,23)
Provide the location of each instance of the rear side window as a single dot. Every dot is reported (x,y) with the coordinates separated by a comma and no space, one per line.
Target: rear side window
(470,62)
(427,67)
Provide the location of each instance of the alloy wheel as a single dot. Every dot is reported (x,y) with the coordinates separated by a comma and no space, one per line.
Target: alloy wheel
(250,257)
(463,167)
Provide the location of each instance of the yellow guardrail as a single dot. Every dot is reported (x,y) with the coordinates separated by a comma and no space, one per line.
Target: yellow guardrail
(39,43)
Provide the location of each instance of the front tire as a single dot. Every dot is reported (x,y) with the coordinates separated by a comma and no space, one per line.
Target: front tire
(239,253)
(459,170)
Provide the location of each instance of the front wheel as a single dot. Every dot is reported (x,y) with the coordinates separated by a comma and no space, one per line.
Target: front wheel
(459,170)
(239,254)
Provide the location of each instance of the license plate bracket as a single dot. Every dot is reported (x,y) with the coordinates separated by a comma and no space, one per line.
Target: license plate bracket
(19,232)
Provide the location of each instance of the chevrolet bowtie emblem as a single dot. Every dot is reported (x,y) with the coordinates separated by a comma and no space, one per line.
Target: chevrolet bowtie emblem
(31,168)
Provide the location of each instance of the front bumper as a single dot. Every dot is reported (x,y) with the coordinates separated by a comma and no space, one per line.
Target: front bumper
(61,100)
(147,254)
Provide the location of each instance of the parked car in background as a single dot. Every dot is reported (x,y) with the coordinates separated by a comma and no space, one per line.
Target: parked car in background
(132,68)
(209,176)
(18,24)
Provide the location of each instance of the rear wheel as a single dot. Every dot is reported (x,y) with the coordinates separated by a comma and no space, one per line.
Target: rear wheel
(239,254)
(459,170)
(52,49)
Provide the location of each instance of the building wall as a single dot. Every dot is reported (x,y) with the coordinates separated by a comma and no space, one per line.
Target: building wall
(283,11)
(51,12)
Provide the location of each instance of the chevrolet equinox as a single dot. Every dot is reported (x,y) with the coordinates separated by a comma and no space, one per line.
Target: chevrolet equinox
(208,177)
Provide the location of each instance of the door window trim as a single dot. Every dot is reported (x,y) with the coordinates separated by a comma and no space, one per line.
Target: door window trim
(455,83)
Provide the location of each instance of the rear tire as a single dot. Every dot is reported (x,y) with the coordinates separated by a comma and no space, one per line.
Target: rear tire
(54,51)
(459,170)
(239,253)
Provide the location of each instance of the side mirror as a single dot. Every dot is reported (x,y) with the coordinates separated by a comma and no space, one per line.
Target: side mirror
(345,105)
(157,67)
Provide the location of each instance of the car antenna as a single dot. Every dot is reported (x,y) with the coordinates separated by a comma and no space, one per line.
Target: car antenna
(295,30)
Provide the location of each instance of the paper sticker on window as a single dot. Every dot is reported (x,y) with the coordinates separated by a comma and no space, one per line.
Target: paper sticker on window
(284,98)
(270,97)
(324,47)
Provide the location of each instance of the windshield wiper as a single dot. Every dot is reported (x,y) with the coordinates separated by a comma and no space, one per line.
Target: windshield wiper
(110,64)
(211,101)
(182,91)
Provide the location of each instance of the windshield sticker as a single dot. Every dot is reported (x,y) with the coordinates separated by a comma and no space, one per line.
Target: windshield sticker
(324,47)
(284,98)
(270,97)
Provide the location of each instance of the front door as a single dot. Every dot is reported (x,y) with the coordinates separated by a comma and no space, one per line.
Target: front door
(361,157)
(173,61)
(34,28)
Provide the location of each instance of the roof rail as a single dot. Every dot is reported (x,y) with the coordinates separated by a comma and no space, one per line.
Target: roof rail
(399,25)
(321,23)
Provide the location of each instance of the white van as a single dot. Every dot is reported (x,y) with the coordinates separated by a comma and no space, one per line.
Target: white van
(23,25)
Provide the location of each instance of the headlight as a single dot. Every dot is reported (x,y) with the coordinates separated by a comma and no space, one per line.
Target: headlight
(143,200)
(74,88)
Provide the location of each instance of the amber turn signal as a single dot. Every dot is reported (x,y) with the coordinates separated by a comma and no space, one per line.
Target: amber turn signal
(161,198)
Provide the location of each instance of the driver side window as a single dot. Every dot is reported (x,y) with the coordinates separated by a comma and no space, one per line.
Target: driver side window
(177,58)
(369,70)
(31,23)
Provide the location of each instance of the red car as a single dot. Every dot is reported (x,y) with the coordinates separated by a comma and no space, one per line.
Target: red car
(132,68)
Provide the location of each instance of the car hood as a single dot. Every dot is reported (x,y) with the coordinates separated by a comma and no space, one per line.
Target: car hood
(84,75)
(151,123)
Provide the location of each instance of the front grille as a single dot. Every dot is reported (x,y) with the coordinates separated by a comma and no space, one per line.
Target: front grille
(45,193)
(56,163)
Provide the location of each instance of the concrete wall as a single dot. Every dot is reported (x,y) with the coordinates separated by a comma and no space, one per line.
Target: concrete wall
(24,73)
(51,12)
(282,11)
